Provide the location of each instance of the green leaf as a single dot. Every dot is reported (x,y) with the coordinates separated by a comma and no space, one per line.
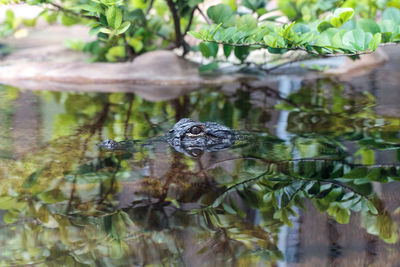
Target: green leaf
(357,39)
(193,3)
(50,17)
(392,14)
(229,209)
(371,207)
(337,39)
(90,8)
(115,53)
(208,67)
(43,214)
(29,22)
(378,175)
(7,202)
(262,11)
(114,17)
(95,30)
(52,196)
(241,52)
(220,13)
(375,41)
(342,216)
(105,30)
(274,50)
(10,16)
(324,26)
(136,44)
(10,217)
(67,20)
(208,49)
(196,35)
(396,38)
(227,50)
(356,173)
(124,27)
(368,25)
(254,5)
(387,26)
(247,21)
(341,15)
(325,39)
(386,37)
(31,180)
(288,8)
(227,34)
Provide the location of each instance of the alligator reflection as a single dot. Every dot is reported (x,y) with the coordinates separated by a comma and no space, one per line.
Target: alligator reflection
(67,202)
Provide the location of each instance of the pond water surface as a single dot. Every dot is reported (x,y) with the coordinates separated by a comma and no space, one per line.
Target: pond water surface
(315,184)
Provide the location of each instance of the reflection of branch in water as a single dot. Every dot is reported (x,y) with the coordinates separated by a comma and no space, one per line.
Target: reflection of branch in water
(371,248)
(179,252)
(128,114)
(92,130)
(362,197)
(71,195)
(27,264)
(181,107)
(229,159)
(95,126)
(270,92)
(288,62)
(113,179)
(335,249)
(230,188)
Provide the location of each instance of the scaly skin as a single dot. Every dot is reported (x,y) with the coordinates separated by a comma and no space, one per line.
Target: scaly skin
(188,137)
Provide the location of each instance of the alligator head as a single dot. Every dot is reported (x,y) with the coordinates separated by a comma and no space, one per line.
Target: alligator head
(193,138)
(188,137)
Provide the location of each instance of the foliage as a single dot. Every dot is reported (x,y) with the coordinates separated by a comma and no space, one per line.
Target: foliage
(318,28)
(122,29)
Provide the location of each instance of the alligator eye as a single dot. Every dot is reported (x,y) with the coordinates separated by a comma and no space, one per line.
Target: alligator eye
(195,130)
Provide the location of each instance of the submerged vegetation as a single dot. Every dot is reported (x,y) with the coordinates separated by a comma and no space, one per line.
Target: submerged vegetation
(68,202)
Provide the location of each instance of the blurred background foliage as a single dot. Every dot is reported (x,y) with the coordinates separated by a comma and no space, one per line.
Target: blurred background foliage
(125,29)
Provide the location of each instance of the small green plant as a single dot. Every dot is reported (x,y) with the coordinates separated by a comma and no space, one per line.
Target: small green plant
(123,29)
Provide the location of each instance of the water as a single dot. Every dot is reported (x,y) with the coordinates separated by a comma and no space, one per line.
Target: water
(316,184)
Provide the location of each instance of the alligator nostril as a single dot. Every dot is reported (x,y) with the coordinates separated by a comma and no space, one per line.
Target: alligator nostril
(196,152)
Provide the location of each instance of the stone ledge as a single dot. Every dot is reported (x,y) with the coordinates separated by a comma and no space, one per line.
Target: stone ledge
(156,75)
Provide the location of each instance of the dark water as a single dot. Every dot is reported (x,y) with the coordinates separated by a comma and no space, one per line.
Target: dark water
(316,185)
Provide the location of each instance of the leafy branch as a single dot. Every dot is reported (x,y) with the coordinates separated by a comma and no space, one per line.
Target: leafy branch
(338,34)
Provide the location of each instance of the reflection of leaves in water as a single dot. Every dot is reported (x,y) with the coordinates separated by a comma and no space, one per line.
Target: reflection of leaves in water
(277,191)
(59,201)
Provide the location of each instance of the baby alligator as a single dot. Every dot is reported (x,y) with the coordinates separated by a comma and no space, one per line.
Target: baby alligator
(189,137)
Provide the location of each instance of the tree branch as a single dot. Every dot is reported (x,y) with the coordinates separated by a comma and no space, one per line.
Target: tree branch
(299,48)
(70,12)
(190,22)
(204,16)
(177,25)
(150,6)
